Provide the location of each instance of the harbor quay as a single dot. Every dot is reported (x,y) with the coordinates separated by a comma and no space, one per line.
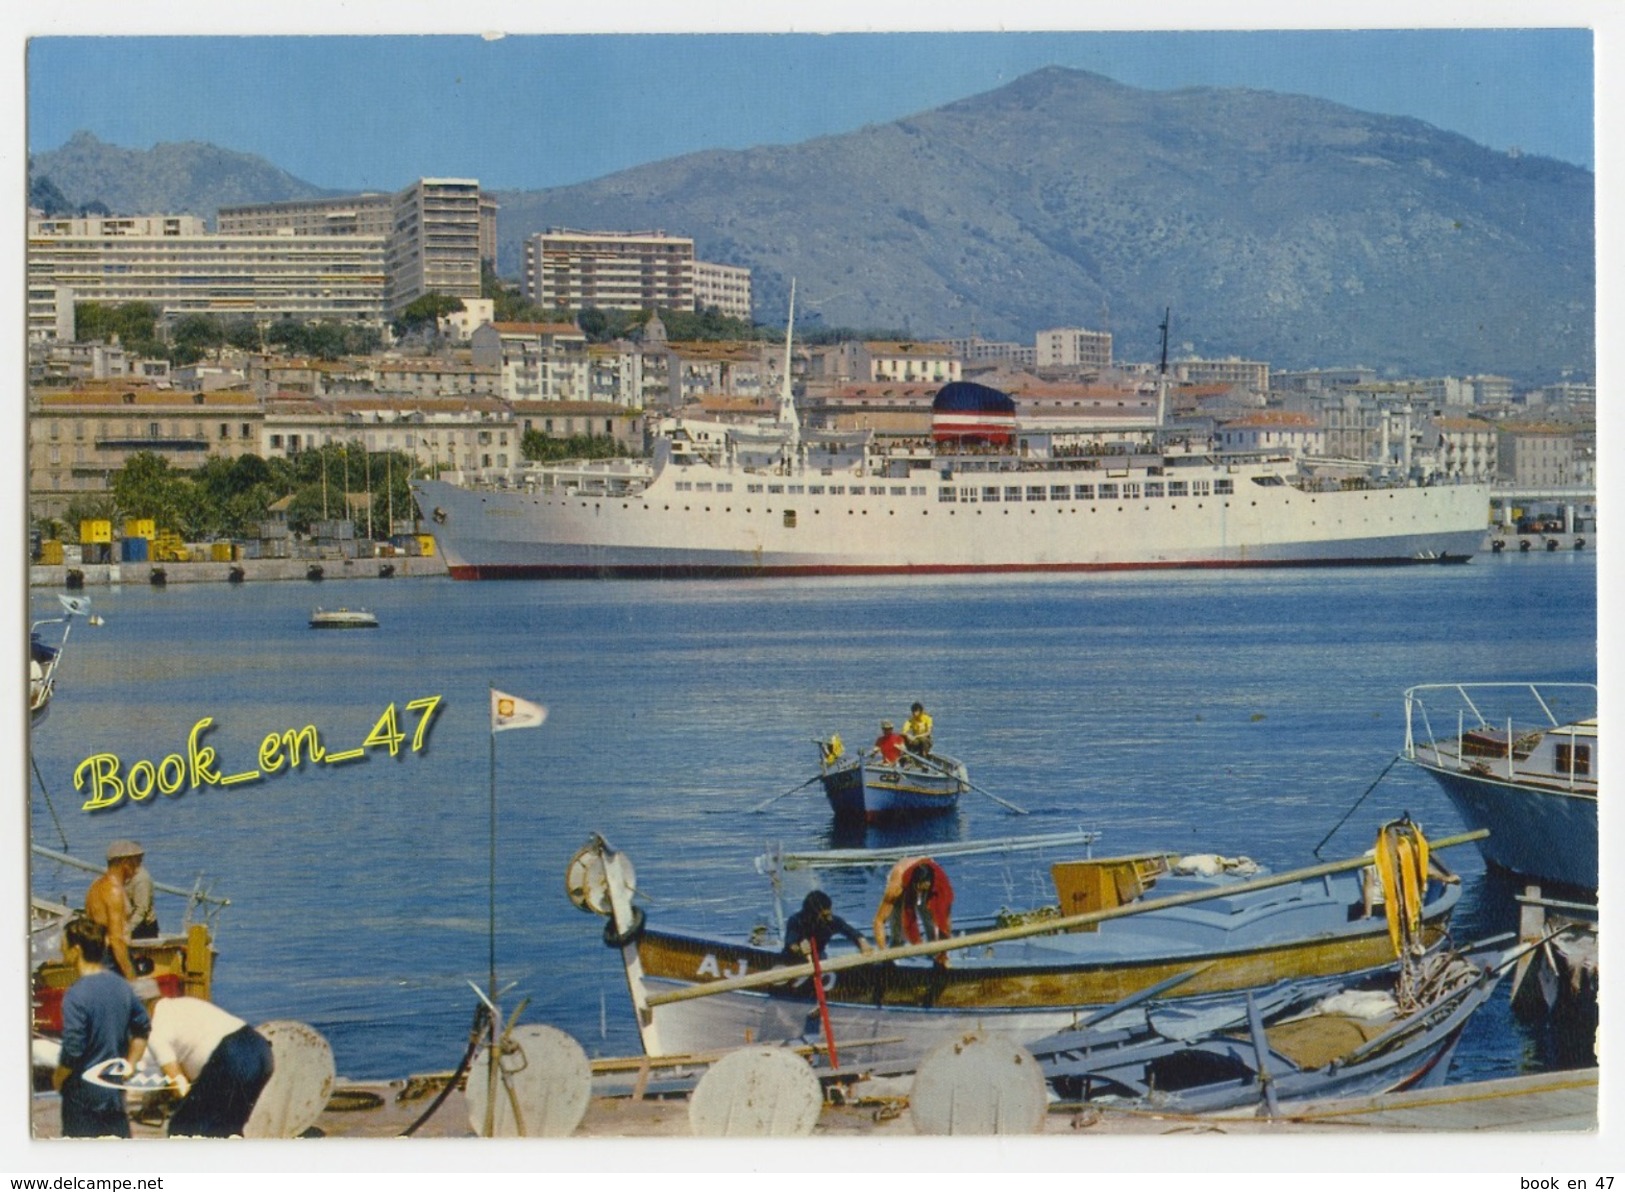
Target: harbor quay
(1564,1101)
(99,575)
(59,576)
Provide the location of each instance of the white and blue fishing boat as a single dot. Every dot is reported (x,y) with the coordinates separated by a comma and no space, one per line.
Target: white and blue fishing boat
(1519,759)
(1142,925)
(865,788)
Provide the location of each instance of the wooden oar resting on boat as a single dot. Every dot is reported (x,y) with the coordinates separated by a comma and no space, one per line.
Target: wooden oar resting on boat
(1022,931)
(1028,979)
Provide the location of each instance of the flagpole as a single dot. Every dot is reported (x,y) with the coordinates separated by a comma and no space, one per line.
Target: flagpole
(491,895)
(507,711)
(491,936)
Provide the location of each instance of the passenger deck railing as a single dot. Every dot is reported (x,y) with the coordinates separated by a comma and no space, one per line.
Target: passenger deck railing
(1493,755)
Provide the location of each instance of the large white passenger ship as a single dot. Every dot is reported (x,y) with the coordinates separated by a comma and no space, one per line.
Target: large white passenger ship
(770,498)
(720,500)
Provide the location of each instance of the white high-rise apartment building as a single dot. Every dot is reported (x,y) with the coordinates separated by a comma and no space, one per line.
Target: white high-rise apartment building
(726,287)
(574,270)
(173,262)
(1073,347)
(435,233)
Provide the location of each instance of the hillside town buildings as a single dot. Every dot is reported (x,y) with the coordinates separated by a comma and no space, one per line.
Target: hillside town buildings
(463,399)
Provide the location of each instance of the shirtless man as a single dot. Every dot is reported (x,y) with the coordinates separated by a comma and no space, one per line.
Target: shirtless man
(917,905)
(107,902)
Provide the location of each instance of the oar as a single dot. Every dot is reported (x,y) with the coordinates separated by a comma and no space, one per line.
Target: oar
(940,768)
(1001,802)
(1144,995)
(768,802)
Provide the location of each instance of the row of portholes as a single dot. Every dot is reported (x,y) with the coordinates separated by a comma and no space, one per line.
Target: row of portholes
(923,512)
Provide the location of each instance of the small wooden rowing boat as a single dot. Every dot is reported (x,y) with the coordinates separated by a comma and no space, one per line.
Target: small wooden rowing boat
(865,788)
(1358,1040)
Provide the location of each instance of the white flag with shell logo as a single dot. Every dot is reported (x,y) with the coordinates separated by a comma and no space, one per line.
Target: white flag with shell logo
(509,711)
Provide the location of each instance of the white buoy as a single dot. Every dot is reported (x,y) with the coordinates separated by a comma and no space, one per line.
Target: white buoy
(301,1082)
(543,1086)
(979,1084)
(757,1092)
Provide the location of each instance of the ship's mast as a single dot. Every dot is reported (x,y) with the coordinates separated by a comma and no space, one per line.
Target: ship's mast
(1162,370)
(787,401)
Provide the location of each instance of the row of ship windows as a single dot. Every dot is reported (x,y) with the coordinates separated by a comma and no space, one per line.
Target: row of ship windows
(1129,490)
(812,490)
(990,493)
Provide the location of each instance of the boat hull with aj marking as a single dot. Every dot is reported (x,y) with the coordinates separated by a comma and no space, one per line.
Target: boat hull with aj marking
(1213,937)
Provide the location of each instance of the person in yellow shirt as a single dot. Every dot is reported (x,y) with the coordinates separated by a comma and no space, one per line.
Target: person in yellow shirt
(917,732)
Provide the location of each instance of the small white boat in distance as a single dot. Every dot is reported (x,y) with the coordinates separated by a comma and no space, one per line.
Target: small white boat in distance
(343,618)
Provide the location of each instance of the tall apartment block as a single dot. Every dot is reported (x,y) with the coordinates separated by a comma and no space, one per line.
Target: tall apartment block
(175,263)
(726,287)
(573,270)
(435,232)
(1073,347)
(568,269)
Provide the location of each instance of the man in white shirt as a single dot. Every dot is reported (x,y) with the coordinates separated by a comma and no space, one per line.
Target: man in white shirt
(218,1062)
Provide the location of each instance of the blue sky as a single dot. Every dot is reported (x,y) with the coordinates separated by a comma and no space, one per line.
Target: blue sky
(525,111)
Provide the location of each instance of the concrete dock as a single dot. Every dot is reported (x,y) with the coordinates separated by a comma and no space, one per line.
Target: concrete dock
(1543,1102)
(102,575)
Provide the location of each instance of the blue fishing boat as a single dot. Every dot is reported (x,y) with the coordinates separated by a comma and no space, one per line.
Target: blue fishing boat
(1292,1043)
(1521,760)
(867,788)
(1194,926)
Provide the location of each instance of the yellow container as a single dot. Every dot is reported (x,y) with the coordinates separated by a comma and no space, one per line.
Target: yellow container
(426,545)
(97,530)
(139,527)
(220,552)
(50,552)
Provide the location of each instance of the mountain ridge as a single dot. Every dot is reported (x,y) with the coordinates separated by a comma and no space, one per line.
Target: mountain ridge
(1279,227)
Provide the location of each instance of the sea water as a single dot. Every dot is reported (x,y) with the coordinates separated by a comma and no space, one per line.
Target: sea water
(1235,712)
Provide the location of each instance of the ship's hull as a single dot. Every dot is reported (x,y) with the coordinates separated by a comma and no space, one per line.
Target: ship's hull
(1542,834)
(908,528)
(1509,763)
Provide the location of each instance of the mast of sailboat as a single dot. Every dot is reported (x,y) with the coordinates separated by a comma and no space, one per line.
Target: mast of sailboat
(787,401)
